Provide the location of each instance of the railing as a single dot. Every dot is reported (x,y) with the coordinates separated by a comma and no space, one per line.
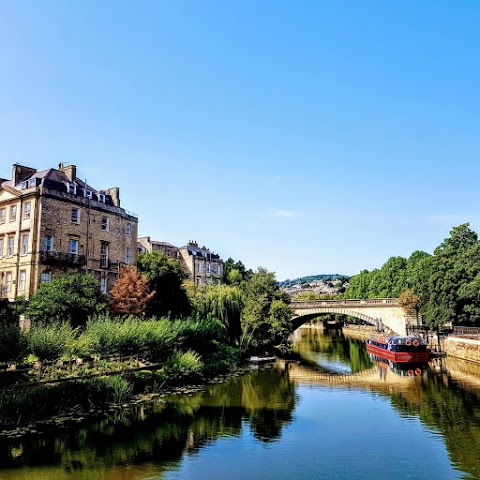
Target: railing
(473,332)
(371,302)
(57,258)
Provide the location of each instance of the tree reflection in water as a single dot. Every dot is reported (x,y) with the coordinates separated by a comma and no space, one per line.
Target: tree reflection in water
(160,433)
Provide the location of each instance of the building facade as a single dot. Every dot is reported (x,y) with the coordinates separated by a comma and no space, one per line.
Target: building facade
(145,244)
(52,223)
(203,266)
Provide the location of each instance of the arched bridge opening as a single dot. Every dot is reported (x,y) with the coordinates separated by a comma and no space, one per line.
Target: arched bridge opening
(380,312)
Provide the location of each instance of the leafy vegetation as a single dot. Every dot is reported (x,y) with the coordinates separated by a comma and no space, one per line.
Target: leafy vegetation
(70,298)
(166,277)
(443,287)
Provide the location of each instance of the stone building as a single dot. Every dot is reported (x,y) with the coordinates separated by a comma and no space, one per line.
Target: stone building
(145,244)
(203,266)
(53,223)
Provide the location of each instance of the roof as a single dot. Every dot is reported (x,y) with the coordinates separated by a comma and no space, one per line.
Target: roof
(200,252)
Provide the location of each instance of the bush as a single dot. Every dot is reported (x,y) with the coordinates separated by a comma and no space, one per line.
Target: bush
(50,341)
(12,342)
(187,364)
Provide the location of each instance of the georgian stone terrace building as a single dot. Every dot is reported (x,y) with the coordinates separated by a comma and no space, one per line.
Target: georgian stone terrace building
(204,267)
(52,223)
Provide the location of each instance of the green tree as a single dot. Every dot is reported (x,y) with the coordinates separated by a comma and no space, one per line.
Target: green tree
(71,298)
(241,274)
(264,324)
(166,277)
(452,281)
(225,302)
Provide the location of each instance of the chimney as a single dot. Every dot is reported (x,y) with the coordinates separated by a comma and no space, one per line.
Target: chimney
(114,192)
(21,173)
(69,170)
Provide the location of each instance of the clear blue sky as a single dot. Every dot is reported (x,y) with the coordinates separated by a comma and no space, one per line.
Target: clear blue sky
(303,136)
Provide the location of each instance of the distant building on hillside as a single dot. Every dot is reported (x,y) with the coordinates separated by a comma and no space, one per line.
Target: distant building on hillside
(53,223)
(203,266)
(145,244)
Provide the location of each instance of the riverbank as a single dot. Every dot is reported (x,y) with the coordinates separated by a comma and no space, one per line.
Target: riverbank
(83,401)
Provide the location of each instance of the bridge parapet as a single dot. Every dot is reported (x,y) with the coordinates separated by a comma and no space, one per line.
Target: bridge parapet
(376,311)
(376,302)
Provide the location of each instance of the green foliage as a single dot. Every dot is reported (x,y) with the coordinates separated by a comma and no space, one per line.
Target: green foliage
(264,317)
(186,364)
(12,342)
(70,298)
(225,303)
(119,389)
(48,341)
(234,273)
(107,336)
(166,277)
(446,284)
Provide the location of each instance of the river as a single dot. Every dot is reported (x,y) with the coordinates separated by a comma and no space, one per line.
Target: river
(335,414)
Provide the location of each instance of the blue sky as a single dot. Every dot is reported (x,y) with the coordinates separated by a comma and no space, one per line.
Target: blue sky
(305,137)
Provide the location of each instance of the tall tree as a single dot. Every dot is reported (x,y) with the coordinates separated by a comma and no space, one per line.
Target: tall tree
(71,298)
(166,277)
(131,293)
(235,272)
(266,315)
(225,302)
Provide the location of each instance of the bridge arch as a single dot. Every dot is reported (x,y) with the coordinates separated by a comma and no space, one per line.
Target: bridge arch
(381,312)
(305,317)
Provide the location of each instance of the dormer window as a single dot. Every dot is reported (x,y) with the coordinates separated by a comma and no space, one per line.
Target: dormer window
(101,197)
(32,183)
(72,188)
(23,185)
(87,193)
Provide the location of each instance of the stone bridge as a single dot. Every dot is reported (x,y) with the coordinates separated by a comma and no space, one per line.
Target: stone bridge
(381,312)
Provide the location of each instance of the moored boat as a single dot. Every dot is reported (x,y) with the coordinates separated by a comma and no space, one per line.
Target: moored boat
(408,348)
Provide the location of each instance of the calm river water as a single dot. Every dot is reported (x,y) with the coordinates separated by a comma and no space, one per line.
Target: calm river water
(335,415)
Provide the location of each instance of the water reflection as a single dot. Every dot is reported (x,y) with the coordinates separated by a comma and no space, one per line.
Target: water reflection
(158,433)
(280,414)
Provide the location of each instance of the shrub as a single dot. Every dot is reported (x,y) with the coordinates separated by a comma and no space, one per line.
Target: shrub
(185,364)
(50,341)
(12,342)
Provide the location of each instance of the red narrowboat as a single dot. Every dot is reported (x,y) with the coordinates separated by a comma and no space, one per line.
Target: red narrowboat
(409,348)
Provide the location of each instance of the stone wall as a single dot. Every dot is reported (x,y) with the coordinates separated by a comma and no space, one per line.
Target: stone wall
(464,348)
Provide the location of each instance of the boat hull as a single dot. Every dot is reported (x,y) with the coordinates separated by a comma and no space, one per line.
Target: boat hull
(405,356)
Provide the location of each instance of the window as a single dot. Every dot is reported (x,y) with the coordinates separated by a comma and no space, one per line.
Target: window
(209,279)
(103,284)
(46,276)
(199,280)
(208,268)
(8,285)
(71,188)
(73,246)
(1,247)
(105,223)
(13,213)
(75,216)
(48,243)
(3,215)
(23,185)
(87,193)
(128,255)
(22,280)
(32,183)
(199,267)
(128,228)
(27,208)
(24,243)
(101,197)
(104,255)
(11,246)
